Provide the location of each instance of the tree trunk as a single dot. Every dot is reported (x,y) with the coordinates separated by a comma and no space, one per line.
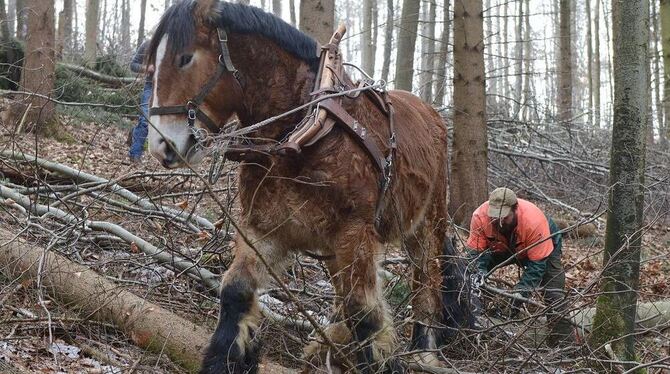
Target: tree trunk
(665,44)
(427,51)
(75,28)
(65,29)
(91,46)
(11,17)
(506,86)
(317,18)
(519,62)
(4,25)
(527,46)
(147,324)
(596,65)
(140,30)
(616,306)
(491,96)
(125,27)
(388,40)
(276,8)
(409,23)
(565,64)
(663,136)
(39,65)
(443,59)
(469,157)
(21,21)
(589,60)
(291,8)
(367,53)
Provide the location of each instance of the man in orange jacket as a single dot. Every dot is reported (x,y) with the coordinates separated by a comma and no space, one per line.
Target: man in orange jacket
(506,227)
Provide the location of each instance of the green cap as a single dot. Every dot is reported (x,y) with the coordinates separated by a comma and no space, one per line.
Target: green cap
(501,201)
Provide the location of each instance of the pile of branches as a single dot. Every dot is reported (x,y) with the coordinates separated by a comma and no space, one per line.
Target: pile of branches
(568,166)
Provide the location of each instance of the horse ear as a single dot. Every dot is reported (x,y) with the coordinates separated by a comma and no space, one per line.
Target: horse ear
(207,12)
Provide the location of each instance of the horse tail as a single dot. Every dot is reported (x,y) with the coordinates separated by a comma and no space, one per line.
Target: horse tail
(459,304)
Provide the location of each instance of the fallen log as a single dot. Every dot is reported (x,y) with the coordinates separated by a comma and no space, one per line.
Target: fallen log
(107,79)
(147,324)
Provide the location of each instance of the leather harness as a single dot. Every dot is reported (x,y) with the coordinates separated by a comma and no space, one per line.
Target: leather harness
(318,123)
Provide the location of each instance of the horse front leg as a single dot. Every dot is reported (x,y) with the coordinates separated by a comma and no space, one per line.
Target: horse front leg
(234,347)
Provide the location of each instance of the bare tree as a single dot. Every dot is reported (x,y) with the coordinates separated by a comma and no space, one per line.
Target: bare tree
(91,45)
(565,63)
(140,29)
(589,59)
(367,53)
(4,25)
(427,51)
(654,35)
(596,63)
(291,7)
(125,27)
(443,58)
(528,63)
(38,74)
(469,154)
(665,43)
(276,7)
(388,40)
(518,72)
(65,28)
(409,23)
(614,322)
(21,15)
(317,18)
(493,89)
(11,16)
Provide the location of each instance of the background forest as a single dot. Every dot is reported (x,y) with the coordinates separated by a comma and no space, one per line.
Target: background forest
(110,266)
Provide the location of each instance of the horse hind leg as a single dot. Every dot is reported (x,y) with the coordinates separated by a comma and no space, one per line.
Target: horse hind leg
(234,347)
(426,300)
(438,301)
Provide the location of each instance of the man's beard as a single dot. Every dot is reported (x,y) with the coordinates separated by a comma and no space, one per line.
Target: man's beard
(506,228)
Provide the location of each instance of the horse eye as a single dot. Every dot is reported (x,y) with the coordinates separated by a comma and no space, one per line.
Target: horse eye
(184,60)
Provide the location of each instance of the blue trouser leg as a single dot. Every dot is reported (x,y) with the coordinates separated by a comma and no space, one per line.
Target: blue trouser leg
(141,130)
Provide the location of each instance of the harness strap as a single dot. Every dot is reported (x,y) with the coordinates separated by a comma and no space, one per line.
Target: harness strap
(192,112)
(358,131)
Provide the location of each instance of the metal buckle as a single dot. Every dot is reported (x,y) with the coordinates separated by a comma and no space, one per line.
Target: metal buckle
(191,115)
(222,39)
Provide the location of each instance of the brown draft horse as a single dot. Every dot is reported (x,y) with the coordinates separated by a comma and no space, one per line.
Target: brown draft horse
(322,201)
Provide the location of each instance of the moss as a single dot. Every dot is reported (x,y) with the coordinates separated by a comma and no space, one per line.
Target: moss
(608,323)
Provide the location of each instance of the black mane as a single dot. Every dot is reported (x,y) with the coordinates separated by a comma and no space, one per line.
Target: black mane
(178,23)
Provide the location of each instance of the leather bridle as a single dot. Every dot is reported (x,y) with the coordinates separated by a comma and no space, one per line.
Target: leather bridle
(192,107)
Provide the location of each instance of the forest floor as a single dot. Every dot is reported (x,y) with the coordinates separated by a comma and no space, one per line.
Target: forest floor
(69,343)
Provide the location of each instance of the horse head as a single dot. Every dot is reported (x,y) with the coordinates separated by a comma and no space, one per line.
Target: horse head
(197,49)
(193,90)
